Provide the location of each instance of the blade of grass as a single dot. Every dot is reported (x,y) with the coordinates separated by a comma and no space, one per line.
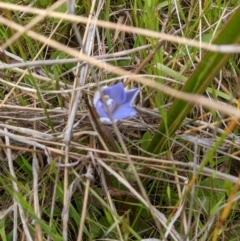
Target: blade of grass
(196,84)
(178,76)
(40,98)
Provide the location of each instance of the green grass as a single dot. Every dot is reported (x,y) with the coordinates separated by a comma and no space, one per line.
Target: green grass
(170,173)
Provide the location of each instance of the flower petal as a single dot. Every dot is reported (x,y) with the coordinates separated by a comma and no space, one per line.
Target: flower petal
(131,96)
(97,95)
(123,111)
(100,109)
(105,120)
(116,92)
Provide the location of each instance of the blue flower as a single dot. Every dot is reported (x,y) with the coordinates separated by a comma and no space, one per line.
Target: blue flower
(118,100)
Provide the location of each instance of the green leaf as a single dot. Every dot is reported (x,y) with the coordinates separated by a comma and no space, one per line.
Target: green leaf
(197,83)
(213,198)
(178,76)
(2,230)
(147,137)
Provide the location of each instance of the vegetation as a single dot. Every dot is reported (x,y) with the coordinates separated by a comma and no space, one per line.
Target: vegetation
(169,173)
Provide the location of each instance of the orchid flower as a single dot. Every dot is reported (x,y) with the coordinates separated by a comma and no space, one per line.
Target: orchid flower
(118,100)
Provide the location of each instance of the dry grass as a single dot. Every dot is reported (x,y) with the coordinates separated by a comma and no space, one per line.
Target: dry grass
(64,176)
